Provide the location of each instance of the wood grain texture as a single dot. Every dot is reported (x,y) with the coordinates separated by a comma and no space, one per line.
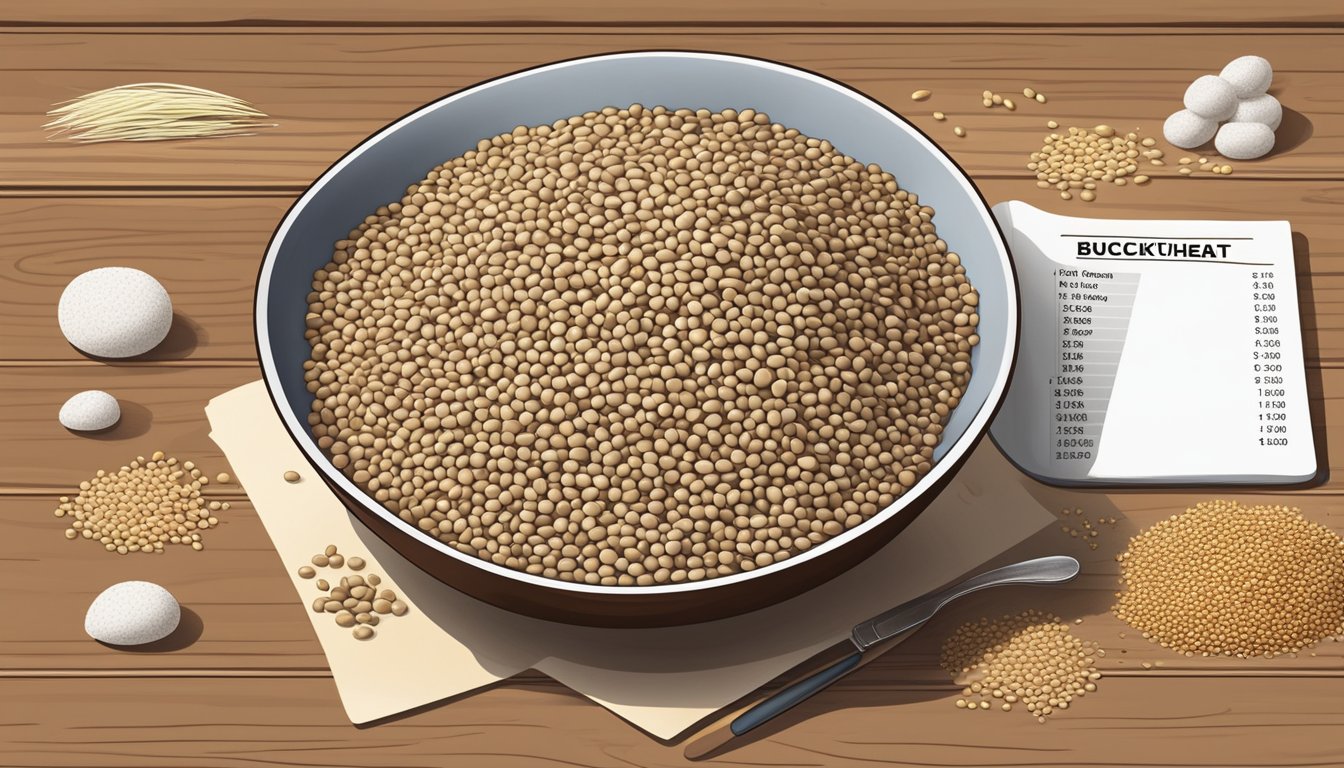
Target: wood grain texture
(226,724)
(329,91)
(247,684)
(614,12)
(249,622)
(163,409)
(206,252)
(745,12)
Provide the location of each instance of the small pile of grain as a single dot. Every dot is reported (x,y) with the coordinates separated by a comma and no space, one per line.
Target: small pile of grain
(1223,579)
(355,602)
(142,506)
(1077,160)
(1032,659)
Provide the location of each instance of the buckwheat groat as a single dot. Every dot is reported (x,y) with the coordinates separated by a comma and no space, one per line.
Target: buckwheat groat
(641,346)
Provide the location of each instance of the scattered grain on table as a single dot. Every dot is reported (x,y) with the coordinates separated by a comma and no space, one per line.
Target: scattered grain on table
(140,507)
(352,601)
(1031,659)
(1080,159)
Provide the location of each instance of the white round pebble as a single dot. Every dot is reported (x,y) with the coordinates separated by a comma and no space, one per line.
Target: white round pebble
(1187,130)
(115,312)
(132,613)
(90,411)
(1248,75)
(1244,141)
(1263,109)
(1212,97)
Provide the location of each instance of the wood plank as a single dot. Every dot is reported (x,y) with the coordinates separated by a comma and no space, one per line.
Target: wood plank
(1127,722)
(243,614)
(608,12)
(206,252)
(328,91)
(162,410)
(245,618)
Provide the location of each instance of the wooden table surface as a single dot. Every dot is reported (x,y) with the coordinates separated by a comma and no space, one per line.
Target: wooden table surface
(246,684)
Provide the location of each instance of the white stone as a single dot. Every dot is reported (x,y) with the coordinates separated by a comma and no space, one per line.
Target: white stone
(115,312)
(90,411)
(1244,141)
(1188,130)
(1263,109)
(1248,75)
(132,613)
(1212,97)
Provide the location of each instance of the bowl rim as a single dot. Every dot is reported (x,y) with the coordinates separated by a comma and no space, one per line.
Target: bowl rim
(960,449)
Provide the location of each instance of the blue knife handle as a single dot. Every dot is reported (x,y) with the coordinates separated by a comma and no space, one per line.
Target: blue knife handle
(793,695)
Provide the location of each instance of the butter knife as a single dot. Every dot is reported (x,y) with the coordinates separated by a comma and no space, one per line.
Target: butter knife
(868,640)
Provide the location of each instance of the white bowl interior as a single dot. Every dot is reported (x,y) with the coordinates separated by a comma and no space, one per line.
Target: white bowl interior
(379,170)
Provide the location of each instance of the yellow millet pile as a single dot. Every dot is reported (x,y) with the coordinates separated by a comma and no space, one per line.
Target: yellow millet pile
(1222,579)
(1031,659)
(640,346)
(1076,161)
(142,506)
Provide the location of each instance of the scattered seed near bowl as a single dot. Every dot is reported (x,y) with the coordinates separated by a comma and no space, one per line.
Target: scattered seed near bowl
(921,95)
(321,561)
(223,477)
(141,507)
(307,572)
(958,130)
(1051,124)
(1222,579)
(356,563)
(1030,93)
(336,561)
(1030,660)
(939,116)
(1010,104)
(363,632)
(1072,159)
(1040,98)
(291,476)
(670,307)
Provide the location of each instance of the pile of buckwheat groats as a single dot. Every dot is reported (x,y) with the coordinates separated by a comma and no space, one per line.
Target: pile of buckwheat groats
(641,346)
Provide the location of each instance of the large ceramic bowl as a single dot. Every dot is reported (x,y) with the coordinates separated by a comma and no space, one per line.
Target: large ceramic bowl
(378,171)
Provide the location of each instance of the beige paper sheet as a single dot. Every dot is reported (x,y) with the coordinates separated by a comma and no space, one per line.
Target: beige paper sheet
(661,680)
